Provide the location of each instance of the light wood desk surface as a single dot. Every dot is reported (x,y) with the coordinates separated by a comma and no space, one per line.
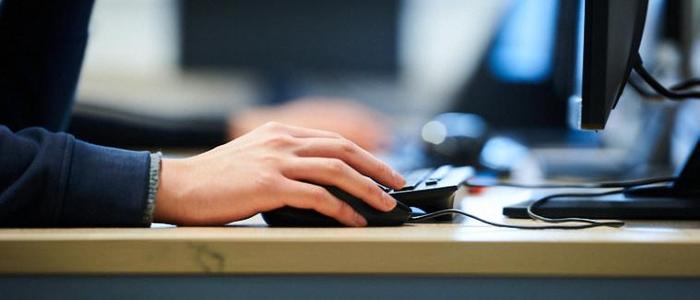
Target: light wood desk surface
(467,248)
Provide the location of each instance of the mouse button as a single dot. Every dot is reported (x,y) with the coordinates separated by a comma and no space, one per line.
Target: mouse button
(402,207)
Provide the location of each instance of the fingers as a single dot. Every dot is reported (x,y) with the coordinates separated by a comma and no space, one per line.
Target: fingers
(335,172)
(353,155)
(301,132)
(309,196)
(319,143)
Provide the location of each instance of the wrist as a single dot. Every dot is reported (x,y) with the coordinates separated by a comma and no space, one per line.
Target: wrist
(153,177)
(169,205)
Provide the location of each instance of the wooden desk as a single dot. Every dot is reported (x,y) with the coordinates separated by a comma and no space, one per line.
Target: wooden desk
(463,249)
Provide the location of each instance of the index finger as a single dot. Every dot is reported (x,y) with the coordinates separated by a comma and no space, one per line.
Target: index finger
(352,154)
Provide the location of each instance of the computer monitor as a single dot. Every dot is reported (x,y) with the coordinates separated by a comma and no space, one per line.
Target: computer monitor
(277,36)
(610,37)
(525,70)
(611,34)
(284,44)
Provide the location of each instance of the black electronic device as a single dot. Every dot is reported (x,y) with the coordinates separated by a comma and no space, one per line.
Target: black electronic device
(276,36)
(297,217)
(525,71)
(678,199)
(427,189)
(286,43)
(610,36)
(432,189)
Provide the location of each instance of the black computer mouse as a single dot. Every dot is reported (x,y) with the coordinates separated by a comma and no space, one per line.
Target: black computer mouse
(296,217)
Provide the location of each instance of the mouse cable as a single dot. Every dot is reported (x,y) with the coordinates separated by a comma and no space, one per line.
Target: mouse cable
(594,185)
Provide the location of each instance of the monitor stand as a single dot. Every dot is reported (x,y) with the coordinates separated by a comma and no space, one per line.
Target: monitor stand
(679,200)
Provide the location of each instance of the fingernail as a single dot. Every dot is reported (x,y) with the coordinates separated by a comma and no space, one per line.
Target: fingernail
(359,220)
(389,202)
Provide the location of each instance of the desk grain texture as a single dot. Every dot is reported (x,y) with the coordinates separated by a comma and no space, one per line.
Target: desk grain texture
(640,249)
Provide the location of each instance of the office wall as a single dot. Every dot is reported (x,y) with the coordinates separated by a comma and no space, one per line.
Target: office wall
(132,60)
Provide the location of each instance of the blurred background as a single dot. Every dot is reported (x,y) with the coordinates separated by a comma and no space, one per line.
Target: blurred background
(395,55)
(506,68)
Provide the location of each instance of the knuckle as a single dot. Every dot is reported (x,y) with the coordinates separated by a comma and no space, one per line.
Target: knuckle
(280,141)
(343,209)
(318,196)
(272,160)
(272,125)
(319,199)
(265,181)
(335,166)
(373,190)
(348,147)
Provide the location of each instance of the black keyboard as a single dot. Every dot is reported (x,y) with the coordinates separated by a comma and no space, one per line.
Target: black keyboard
(431,189)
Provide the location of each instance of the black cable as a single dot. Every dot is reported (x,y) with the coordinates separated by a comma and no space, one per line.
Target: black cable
(443,212)
(658,87)
(595,185)
(678,87)
(643,91)
(538,203)
(690,83)
(620,185)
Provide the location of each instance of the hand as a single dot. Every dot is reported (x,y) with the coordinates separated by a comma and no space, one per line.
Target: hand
(354,121)
(271,167)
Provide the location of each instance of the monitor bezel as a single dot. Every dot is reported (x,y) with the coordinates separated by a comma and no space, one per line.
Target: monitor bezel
(597,42)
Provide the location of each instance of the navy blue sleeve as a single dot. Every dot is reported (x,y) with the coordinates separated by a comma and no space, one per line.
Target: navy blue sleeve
(53,180)
(47,178)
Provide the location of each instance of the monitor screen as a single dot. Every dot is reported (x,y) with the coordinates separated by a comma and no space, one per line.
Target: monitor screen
(526,69)
(288,37)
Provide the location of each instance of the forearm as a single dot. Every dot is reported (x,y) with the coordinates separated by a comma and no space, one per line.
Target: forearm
(53,180)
